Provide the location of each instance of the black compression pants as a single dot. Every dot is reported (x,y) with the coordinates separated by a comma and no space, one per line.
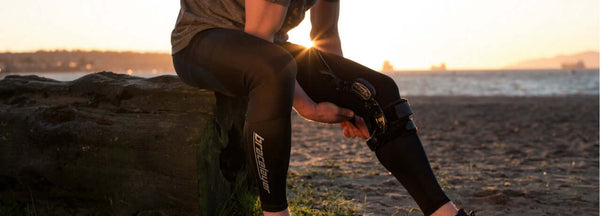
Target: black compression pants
(238,64)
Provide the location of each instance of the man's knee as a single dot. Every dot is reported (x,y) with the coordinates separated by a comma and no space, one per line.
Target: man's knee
(387,90)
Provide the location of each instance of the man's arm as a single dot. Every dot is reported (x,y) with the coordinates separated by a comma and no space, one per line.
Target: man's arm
(324,33)
(264,18)
(324,18)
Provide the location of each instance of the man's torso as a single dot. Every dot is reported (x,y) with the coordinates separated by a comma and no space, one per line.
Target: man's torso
(199,15)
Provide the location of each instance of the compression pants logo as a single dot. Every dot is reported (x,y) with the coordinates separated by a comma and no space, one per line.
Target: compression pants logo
(260,161)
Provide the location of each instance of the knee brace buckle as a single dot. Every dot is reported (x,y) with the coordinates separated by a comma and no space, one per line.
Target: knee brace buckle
(403,126)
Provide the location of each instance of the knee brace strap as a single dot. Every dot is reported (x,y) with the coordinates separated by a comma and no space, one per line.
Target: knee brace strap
(402,126)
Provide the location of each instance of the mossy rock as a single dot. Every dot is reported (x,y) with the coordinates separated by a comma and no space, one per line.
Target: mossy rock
(116,144)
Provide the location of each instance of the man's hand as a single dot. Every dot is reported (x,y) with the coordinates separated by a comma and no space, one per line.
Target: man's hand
(359,130)
(325,112)
(330,113)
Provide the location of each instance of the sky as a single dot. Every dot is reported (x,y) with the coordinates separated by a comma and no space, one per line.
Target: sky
(465,34)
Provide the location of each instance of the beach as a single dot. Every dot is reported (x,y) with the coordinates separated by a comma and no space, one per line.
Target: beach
(496,155)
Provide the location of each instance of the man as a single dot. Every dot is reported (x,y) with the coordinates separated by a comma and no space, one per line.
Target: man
(239,48)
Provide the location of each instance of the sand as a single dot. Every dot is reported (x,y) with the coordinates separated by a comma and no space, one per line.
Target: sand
(494,155)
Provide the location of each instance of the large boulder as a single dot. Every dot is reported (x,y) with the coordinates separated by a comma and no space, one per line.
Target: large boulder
(117,144)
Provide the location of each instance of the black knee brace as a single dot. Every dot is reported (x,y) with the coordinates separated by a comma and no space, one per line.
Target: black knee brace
(382,128)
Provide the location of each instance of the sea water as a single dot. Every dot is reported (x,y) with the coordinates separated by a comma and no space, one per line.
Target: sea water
(498,82)
(460,83)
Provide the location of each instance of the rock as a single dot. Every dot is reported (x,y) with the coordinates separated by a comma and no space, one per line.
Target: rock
(117,144)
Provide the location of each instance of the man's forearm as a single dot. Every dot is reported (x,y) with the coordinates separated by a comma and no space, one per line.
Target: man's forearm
(324,32)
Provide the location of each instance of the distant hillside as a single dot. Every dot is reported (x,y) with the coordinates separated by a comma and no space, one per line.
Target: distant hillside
(61,60)
(589,58)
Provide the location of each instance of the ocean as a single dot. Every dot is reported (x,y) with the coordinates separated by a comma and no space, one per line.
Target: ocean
(498,82)
(458,83)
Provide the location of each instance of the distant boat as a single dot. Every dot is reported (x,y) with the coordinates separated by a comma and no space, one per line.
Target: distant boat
(570,66)
(442,67)
(387,66)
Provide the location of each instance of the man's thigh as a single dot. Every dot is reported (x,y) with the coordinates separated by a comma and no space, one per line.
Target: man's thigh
(227,60)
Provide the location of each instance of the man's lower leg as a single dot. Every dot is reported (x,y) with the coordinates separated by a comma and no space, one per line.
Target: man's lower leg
(405,158)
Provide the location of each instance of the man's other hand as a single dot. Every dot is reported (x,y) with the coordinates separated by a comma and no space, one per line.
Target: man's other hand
(356,129)
(326,112)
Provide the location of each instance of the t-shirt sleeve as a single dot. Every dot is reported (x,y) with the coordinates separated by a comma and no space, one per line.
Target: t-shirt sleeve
(281,2)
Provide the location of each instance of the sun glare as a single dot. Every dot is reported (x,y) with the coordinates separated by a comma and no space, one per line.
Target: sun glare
(308,44)
(299,38)
(300,34)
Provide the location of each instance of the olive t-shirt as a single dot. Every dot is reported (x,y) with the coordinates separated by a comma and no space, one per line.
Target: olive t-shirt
(198,15)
